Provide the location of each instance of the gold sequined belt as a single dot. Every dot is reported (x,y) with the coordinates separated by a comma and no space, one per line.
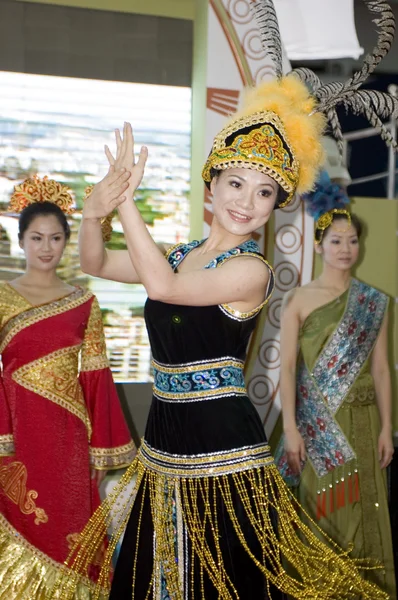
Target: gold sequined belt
(205,465)
(197,381)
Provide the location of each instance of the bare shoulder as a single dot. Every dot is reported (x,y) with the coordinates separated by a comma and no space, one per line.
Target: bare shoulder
(248,267)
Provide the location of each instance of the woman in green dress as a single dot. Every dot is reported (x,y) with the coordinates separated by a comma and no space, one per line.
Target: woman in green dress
(336,398)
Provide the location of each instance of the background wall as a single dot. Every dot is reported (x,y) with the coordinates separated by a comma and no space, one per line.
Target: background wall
(94,44)
(39,37)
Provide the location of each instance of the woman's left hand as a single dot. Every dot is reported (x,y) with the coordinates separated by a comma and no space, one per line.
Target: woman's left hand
(125,158)
(385,448)
(98,475)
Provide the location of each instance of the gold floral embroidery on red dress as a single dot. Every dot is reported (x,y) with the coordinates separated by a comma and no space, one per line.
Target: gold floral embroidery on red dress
(55,377)
(13,479)
(94,349)
(18,314)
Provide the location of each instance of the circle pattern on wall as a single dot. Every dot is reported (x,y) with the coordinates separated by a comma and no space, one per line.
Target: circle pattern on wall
(269,354)
(288,239)
(286,276)
(240,11)
(261,390)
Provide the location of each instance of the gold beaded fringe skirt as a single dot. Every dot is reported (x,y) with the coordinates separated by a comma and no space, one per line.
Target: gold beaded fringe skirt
(190,520)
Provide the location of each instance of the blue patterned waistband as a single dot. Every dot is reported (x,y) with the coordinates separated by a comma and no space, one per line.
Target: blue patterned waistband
(197,381)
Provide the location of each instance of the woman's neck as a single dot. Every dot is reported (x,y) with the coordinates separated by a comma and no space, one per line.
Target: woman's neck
(36,278)
(335,278)
(219,239)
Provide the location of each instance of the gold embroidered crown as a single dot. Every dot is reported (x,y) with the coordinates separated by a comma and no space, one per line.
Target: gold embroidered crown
(258,142)
(35,189)
(325,221)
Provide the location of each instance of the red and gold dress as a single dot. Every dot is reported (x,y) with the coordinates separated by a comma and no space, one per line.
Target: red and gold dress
(59,417)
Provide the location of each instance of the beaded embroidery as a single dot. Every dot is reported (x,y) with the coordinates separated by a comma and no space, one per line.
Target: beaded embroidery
(177,253)
(211,464)
(196,381)
(321,393)
(265,148)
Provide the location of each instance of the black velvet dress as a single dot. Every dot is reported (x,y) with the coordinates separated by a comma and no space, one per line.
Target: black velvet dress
(203,511)
(200,410)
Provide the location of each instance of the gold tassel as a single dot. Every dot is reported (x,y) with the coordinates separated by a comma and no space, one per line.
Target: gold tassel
(324,571)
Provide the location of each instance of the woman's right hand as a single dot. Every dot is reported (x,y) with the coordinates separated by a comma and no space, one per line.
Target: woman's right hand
(107,194)
(295,449)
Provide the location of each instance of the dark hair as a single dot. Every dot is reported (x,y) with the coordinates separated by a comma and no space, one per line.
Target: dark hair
(42,209)
(355,222)
(280,196)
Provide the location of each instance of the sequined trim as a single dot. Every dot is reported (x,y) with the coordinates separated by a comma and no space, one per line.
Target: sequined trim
(94,347)
(198,381)
(7,447)
(212,464)
(177,253)
(55,377)
(245,316)
(350,345)
(21,561)
(326,445)
(13,484)
(33,315)
(112,458)
(261,149)
(94,363)
(321,393)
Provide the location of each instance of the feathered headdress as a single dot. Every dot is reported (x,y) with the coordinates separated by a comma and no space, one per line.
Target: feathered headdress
(278,130)
(324,202)
(36,189)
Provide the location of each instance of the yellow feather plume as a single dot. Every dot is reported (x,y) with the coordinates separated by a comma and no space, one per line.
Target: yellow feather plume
(291,101)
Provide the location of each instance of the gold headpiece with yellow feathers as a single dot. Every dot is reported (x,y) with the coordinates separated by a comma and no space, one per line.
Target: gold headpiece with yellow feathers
(279,128)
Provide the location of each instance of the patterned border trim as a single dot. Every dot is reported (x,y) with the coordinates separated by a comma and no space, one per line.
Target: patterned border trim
(7,446)
(38,313)
(76,408)
(177,253)
(245,316)
(49,568)
(198,381)
(112,458)
(94,363)
(213,464)
(351,343)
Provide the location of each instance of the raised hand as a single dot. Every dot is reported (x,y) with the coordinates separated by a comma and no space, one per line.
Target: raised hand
(125,157)
(107,195)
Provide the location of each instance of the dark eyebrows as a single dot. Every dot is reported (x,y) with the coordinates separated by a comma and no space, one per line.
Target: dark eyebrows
(268,184)
(39,233)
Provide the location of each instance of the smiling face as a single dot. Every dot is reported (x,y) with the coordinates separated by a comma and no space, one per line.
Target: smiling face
(243,199)
(43,243)
(340,246)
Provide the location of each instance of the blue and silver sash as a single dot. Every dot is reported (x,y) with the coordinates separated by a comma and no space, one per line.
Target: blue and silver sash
(320,394)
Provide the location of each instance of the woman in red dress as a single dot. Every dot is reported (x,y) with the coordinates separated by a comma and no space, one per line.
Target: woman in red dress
(61,424)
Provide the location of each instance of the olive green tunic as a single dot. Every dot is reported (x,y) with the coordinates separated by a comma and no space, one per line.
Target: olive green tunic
(364,521)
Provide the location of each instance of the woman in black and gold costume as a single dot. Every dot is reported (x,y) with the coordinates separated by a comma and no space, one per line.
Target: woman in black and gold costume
(209,516)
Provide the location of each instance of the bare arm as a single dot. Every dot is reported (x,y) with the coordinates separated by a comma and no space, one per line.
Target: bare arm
(243,281)
(382,379)
(290,326)
(95,259)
